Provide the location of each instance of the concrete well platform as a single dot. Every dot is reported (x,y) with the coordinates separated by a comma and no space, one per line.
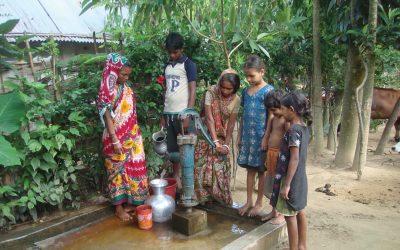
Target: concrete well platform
(101,230)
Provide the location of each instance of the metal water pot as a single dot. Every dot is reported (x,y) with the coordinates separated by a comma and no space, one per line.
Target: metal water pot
(162,204)
(160,143)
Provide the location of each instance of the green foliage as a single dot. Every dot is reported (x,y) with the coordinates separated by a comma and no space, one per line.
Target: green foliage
(375,124)
(387,67)
(7,49)
(228,24)
(57,140)
(11,113)
(80,97)
(8,154)
(388,32)
(49,165)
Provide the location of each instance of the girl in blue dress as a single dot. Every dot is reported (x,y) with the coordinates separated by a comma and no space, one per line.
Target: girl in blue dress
(252,130)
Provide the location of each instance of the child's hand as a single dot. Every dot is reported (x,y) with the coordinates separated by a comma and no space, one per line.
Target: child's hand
(162,122)
(185,123)
(285,192)
(264,143)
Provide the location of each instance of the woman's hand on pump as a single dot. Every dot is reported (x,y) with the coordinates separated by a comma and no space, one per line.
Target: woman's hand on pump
(222,149)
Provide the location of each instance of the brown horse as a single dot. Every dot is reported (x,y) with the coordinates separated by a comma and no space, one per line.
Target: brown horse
(383,102)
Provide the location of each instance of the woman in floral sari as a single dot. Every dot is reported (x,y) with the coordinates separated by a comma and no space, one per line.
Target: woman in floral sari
(122,142)
(212,166)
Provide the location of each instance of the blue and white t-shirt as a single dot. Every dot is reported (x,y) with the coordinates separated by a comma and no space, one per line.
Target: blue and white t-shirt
(177,77)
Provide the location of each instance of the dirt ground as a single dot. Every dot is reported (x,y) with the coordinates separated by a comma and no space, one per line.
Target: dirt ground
(364,215)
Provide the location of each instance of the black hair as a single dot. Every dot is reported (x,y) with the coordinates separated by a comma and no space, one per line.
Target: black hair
(299,103)
(254,62)
(233,79)
(174,41)
(128,64)
(273,99)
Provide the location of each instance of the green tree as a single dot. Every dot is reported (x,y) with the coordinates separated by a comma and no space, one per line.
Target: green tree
(364,116)
(317,83)
(353,78)
(229,24)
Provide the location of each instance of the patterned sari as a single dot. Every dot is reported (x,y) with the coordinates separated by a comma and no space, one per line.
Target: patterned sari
(212,172)
(127,178)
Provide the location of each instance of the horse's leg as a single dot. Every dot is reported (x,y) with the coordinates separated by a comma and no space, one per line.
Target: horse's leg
(397,127)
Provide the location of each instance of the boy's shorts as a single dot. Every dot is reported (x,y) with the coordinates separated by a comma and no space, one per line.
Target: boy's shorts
(174,128)
(271,161)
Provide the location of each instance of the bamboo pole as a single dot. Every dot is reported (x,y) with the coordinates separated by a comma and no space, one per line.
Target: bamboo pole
(32,66)
(56,87)
(121,46)
(105,43)
(1,81)
(94,43)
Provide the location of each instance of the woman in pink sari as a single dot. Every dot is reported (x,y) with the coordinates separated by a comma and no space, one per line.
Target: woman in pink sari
(122,142)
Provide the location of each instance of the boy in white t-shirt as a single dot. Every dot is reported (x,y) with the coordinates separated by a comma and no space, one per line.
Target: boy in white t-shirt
(180,93)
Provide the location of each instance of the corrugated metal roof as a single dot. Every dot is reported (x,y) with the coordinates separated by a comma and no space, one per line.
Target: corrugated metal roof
(57,38)
(59,19)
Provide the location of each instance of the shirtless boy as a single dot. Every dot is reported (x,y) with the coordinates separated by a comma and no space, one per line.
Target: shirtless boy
(276,129)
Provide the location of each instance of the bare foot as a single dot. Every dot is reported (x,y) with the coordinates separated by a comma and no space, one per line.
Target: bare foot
(121,214)
(268,216)
(244,208)
(256,210)
(277,220)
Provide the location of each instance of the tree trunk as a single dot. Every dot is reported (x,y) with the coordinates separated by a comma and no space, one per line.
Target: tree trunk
(317,83)
(356,160)
(335,119)
(368,87)
(226,55)
(349,121)
(388,127)
(326,104)
(359,94)
(326,115)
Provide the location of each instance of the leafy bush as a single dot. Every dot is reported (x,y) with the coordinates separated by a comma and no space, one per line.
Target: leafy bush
(48,170)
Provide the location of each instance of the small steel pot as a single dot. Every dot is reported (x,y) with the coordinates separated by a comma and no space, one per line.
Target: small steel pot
(160,142)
